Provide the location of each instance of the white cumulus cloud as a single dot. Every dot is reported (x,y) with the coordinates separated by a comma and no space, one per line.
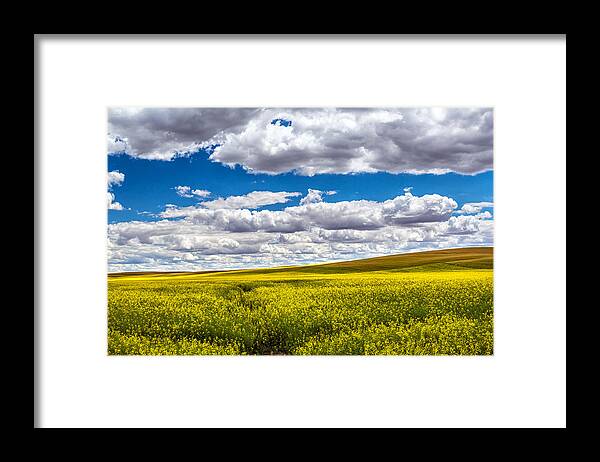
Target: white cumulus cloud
(314,195)
(233,213)
(328,140)
(111,203)
(252,200)
(200,192)
(165,133)
(115,178)
(475,207)
(187,191)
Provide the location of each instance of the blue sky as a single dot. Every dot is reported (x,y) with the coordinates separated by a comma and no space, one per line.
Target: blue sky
(294,186)
(150,184)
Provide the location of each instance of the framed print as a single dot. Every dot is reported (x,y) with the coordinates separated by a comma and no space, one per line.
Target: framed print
(300,232)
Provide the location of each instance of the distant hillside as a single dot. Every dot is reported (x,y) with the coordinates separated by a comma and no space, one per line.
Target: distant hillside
(464,258)
(472,257)
(434,260)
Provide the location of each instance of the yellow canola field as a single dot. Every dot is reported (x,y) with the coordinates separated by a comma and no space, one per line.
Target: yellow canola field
(302,313)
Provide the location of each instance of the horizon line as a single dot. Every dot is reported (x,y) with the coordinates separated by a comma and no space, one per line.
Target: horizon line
(297,266)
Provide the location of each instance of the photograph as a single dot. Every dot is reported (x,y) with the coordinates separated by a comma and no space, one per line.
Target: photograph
(300,231)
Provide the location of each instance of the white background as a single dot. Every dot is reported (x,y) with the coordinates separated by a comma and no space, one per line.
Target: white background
(523,384)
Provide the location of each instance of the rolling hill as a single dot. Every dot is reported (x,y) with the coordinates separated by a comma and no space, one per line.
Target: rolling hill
(434,260)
